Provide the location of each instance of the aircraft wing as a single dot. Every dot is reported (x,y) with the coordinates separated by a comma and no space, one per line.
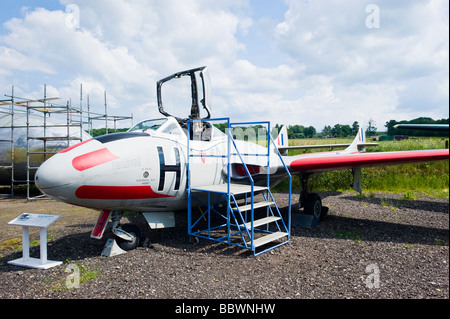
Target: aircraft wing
(330,146)
(312,163)
(425,127)
(354,156)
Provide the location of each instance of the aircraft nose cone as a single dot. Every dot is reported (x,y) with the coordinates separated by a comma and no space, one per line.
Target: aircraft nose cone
(58,172)
(61,175)
(51,175)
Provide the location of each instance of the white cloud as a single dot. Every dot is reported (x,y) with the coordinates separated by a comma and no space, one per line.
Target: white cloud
(11,60)
(326,67)
(405,60)
(125,45)
(166,34)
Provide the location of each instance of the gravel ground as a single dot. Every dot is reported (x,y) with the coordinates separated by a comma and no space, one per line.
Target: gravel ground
(402,243)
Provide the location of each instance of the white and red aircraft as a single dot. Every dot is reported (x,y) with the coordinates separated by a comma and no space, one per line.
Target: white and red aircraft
(145,169)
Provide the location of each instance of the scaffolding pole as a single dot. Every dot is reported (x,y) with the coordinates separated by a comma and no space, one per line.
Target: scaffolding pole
(10,112)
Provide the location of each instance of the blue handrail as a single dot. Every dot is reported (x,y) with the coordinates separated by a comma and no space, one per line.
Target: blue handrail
(290,184)
(252,185)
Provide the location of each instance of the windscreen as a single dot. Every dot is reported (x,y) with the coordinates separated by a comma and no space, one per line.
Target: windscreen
(152,125)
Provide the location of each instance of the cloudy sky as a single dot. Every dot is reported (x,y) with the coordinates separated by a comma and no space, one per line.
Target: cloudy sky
(288,61)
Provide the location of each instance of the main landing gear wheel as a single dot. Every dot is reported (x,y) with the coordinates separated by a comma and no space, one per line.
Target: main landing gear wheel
(134,232)
(313,206)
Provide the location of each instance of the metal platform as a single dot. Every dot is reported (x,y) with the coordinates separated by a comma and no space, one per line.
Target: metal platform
(236,189)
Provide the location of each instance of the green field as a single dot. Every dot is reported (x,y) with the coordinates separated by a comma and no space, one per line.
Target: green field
(427,178)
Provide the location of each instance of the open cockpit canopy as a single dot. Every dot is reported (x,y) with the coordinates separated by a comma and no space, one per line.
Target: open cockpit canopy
(185,90)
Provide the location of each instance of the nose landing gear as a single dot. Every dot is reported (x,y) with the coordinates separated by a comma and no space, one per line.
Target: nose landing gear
(133,235)
(128,236)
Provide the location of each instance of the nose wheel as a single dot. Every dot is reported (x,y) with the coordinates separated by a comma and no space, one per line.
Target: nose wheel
(129,238)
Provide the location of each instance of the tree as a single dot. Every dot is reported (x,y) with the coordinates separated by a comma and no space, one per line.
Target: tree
(390,127)
(309,132)
(327,130)
(340,130)
(346,130)
(296,131)
(371,128)
(355,128)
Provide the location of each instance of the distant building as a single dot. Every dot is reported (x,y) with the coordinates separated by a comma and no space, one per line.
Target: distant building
(382,138)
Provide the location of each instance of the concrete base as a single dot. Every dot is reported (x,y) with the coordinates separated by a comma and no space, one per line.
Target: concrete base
(34,263)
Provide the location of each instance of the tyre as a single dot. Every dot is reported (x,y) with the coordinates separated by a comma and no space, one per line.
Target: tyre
(313,206)
(134,231)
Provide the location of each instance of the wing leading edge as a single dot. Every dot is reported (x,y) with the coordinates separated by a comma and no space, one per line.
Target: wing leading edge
(355,156)
(336,161)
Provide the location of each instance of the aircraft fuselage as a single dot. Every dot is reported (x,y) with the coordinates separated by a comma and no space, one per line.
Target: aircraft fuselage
(134,171)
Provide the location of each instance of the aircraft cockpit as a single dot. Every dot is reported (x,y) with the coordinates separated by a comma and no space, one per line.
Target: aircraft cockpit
(176,93)
(171,126)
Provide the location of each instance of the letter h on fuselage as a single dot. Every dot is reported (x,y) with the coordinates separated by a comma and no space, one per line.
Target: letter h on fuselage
(169,168)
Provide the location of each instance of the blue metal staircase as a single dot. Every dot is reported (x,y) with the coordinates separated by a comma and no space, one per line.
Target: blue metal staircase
(252,220)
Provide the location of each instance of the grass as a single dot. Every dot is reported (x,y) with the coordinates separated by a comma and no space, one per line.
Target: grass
(408,195)
(430,178)
(438,242)
(354,236)
(388,203)
(15,244)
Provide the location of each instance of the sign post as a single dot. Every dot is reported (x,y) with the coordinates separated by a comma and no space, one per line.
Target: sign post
(34,220)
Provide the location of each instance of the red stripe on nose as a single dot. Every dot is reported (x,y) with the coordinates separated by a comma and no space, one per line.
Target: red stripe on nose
(92,159)
(117,192)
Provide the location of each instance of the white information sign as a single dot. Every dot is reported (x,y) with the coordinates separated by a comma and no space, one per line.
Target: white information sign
(42,222)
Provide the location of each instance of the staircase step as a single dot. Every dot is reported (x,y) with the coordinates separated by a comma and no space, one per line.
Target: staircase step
(255,206)
(268,238)
(260,222)
(235,189)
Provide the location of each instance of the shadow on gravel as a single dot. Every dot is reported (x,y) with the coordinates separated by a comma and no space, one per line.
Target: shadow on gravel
(78,245)
(363,230)
(340,227)
(429,206)
(367,230)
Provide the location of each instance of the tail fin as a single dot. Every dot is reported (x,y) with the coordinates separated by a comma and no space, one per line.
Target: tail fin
(282,140)
(359,142)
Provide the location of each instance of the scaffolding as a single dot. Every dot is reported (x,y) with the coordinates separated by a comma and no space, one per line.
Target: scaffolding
(48,128)
(94,116)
